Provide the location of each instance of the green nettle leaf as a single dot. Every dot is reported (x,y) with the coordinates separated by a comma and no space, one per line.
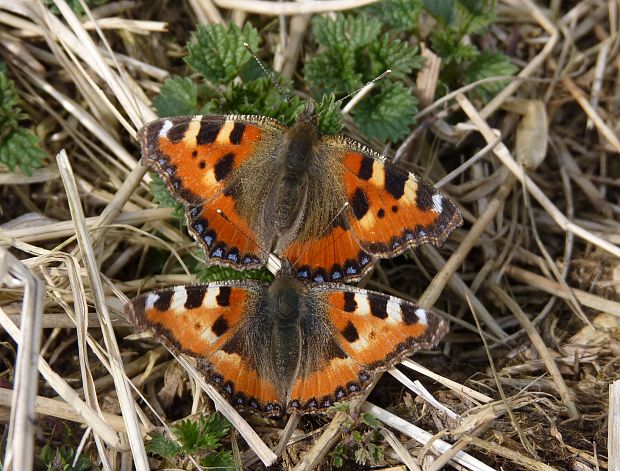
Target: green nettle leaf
(213,273)
(489,64)
(217,51)
(446,43)
(400,57)
(345,32)
(263,98)
(177,96)
(163,198)
(329,115)
(388,114)
(333,71)
(442,10)
(187,433)
(473,16)
(10,114)
(399,15)
(160,445)
(21,149)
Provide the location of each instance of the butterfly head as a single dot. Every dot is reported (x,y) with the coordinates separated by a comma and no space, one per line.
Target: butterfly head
(308,115)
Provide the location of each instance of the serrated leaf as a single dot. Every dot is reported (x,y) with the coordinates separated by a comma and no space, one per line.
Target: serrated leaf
(393,54)
(223,459)
(399,15)
(388,114)
(213,273)
(162,446)
(187,434)
(163,198)
(261,97)
(329,115)
(370,419)
(10,113)
(442,10)
(217,51)
(178,96)
(473,16)
(333,71)
(489,64)
(21,149)
(345,32)
(215,424)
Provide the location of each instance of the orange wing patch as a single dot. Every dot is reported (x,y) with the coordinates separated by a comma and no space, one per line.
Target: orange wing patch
(392,210)
(374,329)
(334,257)
(341,378)
(224,234)
(196,155)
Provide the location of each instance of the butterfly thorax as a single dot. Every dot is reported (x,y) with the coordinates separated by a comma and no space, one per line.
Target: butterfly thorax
(284,301)
(289,194)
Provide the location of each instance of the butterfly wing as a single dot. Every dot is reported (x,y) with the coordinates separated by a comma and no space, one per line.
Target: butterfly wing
(206,162)
(370,209)
(222,326)
(391,210)
(349,334)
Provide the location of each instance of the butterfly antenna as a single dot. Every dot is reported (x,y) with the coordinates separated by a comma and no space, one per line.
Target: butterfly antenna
(361,92)
(267,72)
(338,214)
(273,263)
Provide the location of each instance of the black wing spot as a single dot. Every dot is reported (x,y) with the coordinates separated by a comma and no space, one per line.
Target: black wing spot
(408,314)
(195,296)
(394,209)
(350,333)
(177,132)
(359,203)
(202,164)
(163,300)
(237,133)
(220,326)
(395,182)
(223,298)
(208,132)
(350,305)
(224,166)
(378,305)
(194,154)
(381,213)
(365,171)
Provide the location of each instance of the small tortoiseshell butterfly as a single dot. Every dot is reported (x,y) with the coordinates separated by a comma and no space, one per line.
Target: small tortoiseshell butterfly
(328,203)
(289,345)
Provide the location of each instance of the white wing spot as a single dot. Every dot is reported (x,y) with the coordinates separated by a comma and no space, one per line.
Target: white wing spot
(437,202)
(209,299)
(151,299)
(363,307)
(163,132)
(394,310)
(177,303)
(421,313)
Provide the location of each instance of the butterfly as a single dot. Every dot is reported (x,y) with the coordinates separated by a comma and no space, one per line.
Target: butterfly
(289,345)
(252,186)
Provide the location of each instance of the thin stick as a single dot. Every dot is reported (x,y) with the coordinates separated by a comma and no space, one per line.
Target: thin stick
(20,441)
(291,8)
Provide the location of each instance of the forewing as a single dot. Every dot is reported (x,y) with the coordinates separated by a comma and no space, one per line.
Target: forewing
(221,167)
